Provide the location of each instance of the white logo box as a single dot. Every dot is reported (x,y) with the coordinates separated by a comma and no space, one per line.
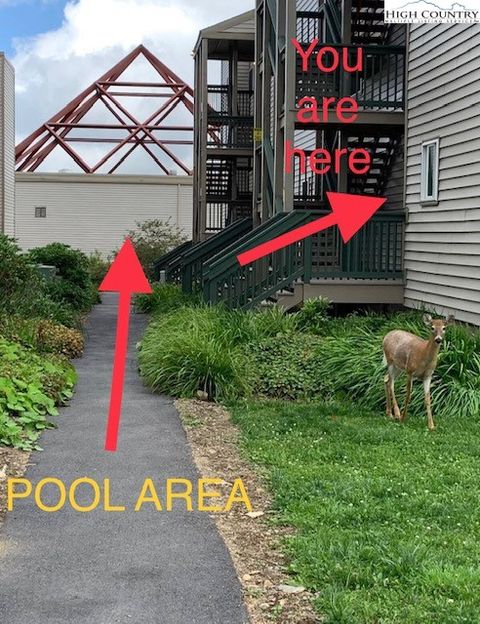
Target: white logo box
(435,12)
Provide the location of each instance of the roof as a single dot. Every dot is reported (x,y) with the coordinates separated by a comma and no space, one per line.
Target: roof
(238,28)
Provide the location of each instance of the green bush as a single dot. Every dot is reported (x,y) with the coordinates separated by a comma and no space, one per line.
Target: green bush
(285,366)
(75,287)
(43,335)
(152,239)
(164,298)
(313,315)
(98,266)
(23,291)
(31,386)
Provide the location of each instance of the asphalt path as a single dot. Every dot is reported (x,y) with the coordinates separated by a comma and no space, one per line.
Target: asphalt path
(102,567)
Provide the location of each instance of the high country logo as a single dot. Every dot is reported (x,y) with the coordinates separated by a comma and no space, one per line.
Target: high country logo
(438,12)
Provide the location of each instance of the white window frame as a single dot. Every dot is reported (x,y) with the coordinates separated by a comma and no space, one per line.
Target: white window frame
(425,198)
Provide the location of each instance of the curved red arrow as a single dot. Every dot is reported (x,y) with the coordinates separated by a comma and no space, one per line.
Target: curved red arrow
(125,276)
(349,213)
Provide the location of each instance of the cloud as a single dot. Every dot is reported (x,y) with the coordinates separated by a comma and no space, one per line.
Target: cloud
(54,66)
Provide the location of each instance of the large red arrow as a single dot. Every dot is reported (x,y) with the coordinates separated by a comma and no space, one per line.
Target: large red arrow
(349,213)
(125,276)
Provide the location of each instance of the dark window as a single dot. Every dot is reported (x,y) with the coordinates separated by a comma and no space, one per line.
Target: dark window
(40,212)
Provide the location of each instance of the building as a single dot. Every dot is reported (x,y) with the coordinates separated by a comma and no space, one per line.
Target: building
(93,204)
(442,242)
(7,147)
(94,212)
(369,268)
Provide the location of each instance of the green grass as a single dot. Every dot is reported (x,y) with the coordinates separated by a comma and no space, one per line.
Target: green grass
(388,515)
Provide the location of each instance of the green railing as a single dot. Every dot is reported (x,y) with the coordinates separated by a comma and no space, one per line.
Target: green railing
(379,86)
(187,269)
(162,263)
(374,253)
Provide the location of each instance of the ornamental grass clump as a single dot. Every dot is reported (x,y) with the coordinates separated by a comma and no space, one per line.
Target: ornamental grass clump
(351,364)
(195,350)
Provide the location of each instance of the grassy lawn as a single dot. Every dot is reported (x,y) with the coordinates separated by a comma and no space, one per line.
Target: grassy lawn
(387,515)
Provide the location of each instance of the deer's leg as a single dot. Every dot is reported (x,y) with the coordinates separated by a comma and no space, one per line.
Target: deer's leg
(386,380)
(407,397)
(393,374)
(428,404)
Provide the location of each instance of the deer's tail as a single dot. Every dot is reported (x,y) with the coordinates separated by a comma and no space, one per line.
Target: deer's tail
(384,360)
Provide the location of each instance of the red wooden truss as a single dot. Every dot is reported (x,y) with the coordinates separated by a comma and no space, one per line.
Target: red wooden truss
(160,140)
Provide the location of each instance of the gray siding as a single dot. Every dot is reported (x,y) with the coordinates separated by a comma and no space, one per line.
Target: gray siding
(94,212)
(7,147)
(394,189)
(442,247)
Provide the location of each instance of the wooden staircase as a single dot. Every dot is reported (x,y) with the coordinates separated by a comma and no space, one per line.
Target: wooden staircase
(383,146)
(368,26)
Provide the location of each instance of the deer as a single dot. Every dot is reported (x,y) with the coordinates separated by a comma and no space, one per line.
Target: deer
(407,352)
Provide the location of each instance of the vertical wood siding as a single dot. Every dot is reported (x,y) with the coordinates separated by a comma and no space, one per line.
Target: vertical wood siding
(442,247)
(7,147)
(95,212)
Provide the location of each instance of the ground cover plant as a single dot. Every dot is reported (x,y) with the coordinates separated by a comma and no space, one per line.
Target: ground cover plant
(387,519)
(31,386)
(39,333)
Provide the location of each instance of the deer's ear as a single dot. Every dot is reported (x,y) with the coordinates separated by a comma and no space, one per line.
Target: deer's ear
(427,319)
(450,320)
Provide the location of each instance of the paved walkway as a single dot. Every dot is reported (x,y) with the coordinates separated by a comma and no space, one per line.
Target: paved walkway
(104,568)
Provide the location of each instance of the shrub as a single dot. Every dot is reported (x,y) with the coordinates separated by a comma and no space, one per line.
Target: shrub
(74,287)
(59,339)
(165,297)
(285,366)
(24,292)
(152,239)
(97,267)
(313,315)
(30,388)
(15,271)
(42,335)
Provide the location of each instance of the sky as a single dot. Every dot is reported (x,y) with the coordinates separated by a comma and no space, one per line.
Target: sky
(58,48)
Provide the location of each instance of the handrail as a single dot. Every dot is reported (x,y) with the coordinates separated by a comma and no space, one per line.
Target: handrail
(374,253)
(174,254)
(188,268)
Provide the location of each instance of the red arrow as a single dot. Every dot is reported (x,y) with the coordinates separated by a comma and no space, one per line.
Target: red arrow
(349,213)
(125,276)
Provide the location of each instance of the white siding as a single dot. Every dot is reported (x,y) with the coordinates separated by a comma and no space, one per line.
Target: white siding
(442,247)
(7,147)
(95,212)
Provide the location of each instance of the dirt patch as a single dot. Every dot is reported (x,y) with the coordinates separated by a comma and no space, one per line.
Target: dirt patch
(253,541)
(12,464)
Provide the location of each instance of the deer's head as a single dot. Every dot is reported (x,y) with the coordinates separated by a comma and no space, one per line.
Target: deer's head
(437,326)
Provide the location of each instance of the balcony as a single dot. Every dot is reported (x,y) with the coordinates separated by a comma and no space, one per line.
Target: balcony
(230,117)
(378,87)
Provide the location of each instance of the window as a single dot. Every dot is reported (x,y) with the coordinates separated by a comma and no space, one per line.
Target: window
(429,183)
(40,212)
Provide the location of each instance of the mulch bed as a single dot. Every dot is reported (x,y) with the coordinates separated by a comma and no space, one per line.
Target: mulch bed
(253,540)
